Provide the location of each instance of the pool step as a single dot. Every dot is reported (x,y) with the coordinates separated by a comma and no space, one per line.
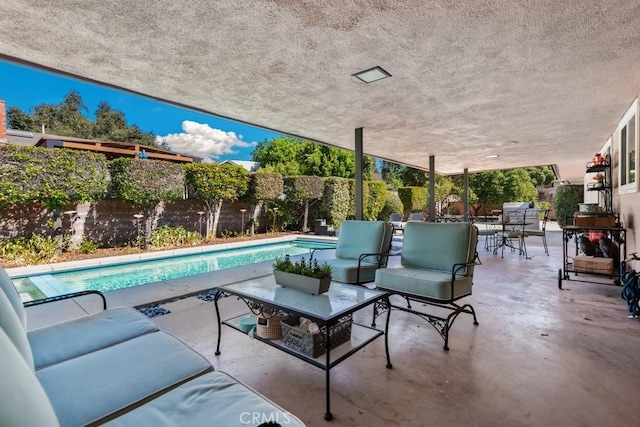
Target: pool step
(49,285)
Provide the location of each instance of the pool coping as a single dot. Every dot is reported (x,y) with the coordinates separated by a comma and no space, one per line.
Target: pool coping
(20,272)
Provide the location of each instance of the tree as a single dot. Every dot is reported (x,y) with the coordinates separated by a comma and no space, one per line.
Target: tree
(517,186)
(18,119)
(213,183)
(279,154)
(541,175)
(68,119)
(488,188)
(413,198)
(110,124)
(293,157)
(444,187)
(413,177)
(391,174)
(303,189)
(146,183)
(498,187)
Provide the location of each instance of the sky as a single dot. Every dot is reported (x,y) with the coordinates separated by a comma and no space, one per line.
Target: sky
(185,131)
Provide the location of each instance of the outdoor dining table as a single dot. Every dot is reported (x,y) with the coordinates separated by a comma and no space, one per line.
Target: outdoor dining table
(507,241)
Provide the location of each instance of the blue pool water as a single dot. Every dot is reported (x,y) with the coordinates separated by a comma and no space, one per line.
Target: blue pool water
(120,276)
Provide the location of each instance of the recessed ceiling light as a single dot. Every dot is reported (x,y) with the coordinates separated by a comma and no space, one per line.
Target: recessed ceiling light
(492,156)
(372,74)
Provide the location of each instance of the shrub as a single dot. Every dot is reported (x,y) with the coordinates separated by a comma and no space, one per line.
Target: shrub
(375,200)
(88,247)
(565,202)
(392,204)
(230,233)
(334,204)
(165,236)
(146,183)
(34,250)
(53,178)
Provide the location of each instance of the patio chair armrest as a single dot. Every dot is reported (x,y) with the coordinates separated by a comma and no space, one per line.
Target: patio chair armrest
(456,268)
(313,251)
(459,266)
(66,296)
(378,255)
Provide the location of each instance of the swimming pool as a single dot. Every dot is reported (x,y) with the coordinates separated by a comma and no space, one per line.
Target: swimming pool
(126,275)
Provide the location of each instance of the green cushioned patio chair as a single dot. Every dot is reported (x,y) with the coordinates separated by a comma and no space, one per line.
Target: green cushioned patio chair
(437,264)
(362,248)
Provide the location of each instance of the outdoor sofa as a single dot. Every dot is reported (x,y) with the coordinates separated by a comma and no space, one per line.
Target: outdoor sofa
(116,368)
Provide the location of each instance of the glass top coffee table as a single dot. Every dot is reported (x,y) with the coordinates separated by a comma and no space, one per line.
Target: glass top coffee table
(326,310)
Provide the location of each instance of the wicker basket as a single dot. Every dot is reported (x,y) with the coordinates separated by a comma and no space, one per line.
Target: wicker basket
(314,345)
(270,328)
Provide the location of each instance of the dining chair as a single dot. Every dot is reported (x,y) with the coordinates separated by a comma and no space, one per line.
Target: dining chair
(513,229)
(542,232)
(416,216)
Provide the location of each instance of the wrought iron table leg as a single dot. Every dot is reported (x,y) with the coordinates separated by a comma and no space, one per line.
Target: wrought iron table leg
(215,302)
(386,333)
(375,314)
(328,416)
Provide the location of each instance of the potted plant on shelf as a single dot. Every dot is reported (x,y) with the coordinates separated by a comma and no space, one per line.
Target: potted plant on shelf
(307,276)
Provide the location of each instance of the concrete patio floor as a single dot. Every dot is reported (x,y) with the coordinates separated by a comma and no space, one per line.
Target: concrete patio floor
(540,356)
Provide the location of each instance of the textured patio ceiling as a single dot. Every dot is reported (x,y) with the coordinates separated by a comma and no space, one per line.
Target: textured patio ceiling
(467,76)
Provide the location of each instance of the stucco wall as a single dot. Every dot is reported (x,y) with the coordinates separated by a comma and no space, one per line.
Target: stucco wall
(626,205)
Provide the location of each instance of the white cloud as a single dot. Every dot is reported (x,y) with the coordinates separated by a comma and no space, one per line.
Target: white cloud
(199,139)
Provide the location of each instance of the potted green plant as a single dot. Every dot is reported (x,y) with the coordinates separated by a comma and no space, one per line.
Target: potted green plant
(306,276)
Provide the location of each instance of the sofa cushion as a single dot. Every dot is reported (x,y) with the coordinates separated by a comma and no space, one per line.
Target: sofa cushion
(426,283)
(23,402)
(346,270)
(360,237)
(65,340)
(11,324)
(92,387)
(6,286)
(211,399)
(437,246)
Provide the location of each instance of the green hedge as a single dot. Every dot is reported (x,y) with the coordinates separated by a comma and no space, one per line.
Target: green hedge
(375,201)
(334,204)
(53,178)
(264,186)
(146,183)
(303,187)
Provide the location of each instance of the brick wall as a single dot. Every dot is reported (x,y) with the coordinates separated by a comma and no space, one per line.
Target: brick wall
(3,122)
